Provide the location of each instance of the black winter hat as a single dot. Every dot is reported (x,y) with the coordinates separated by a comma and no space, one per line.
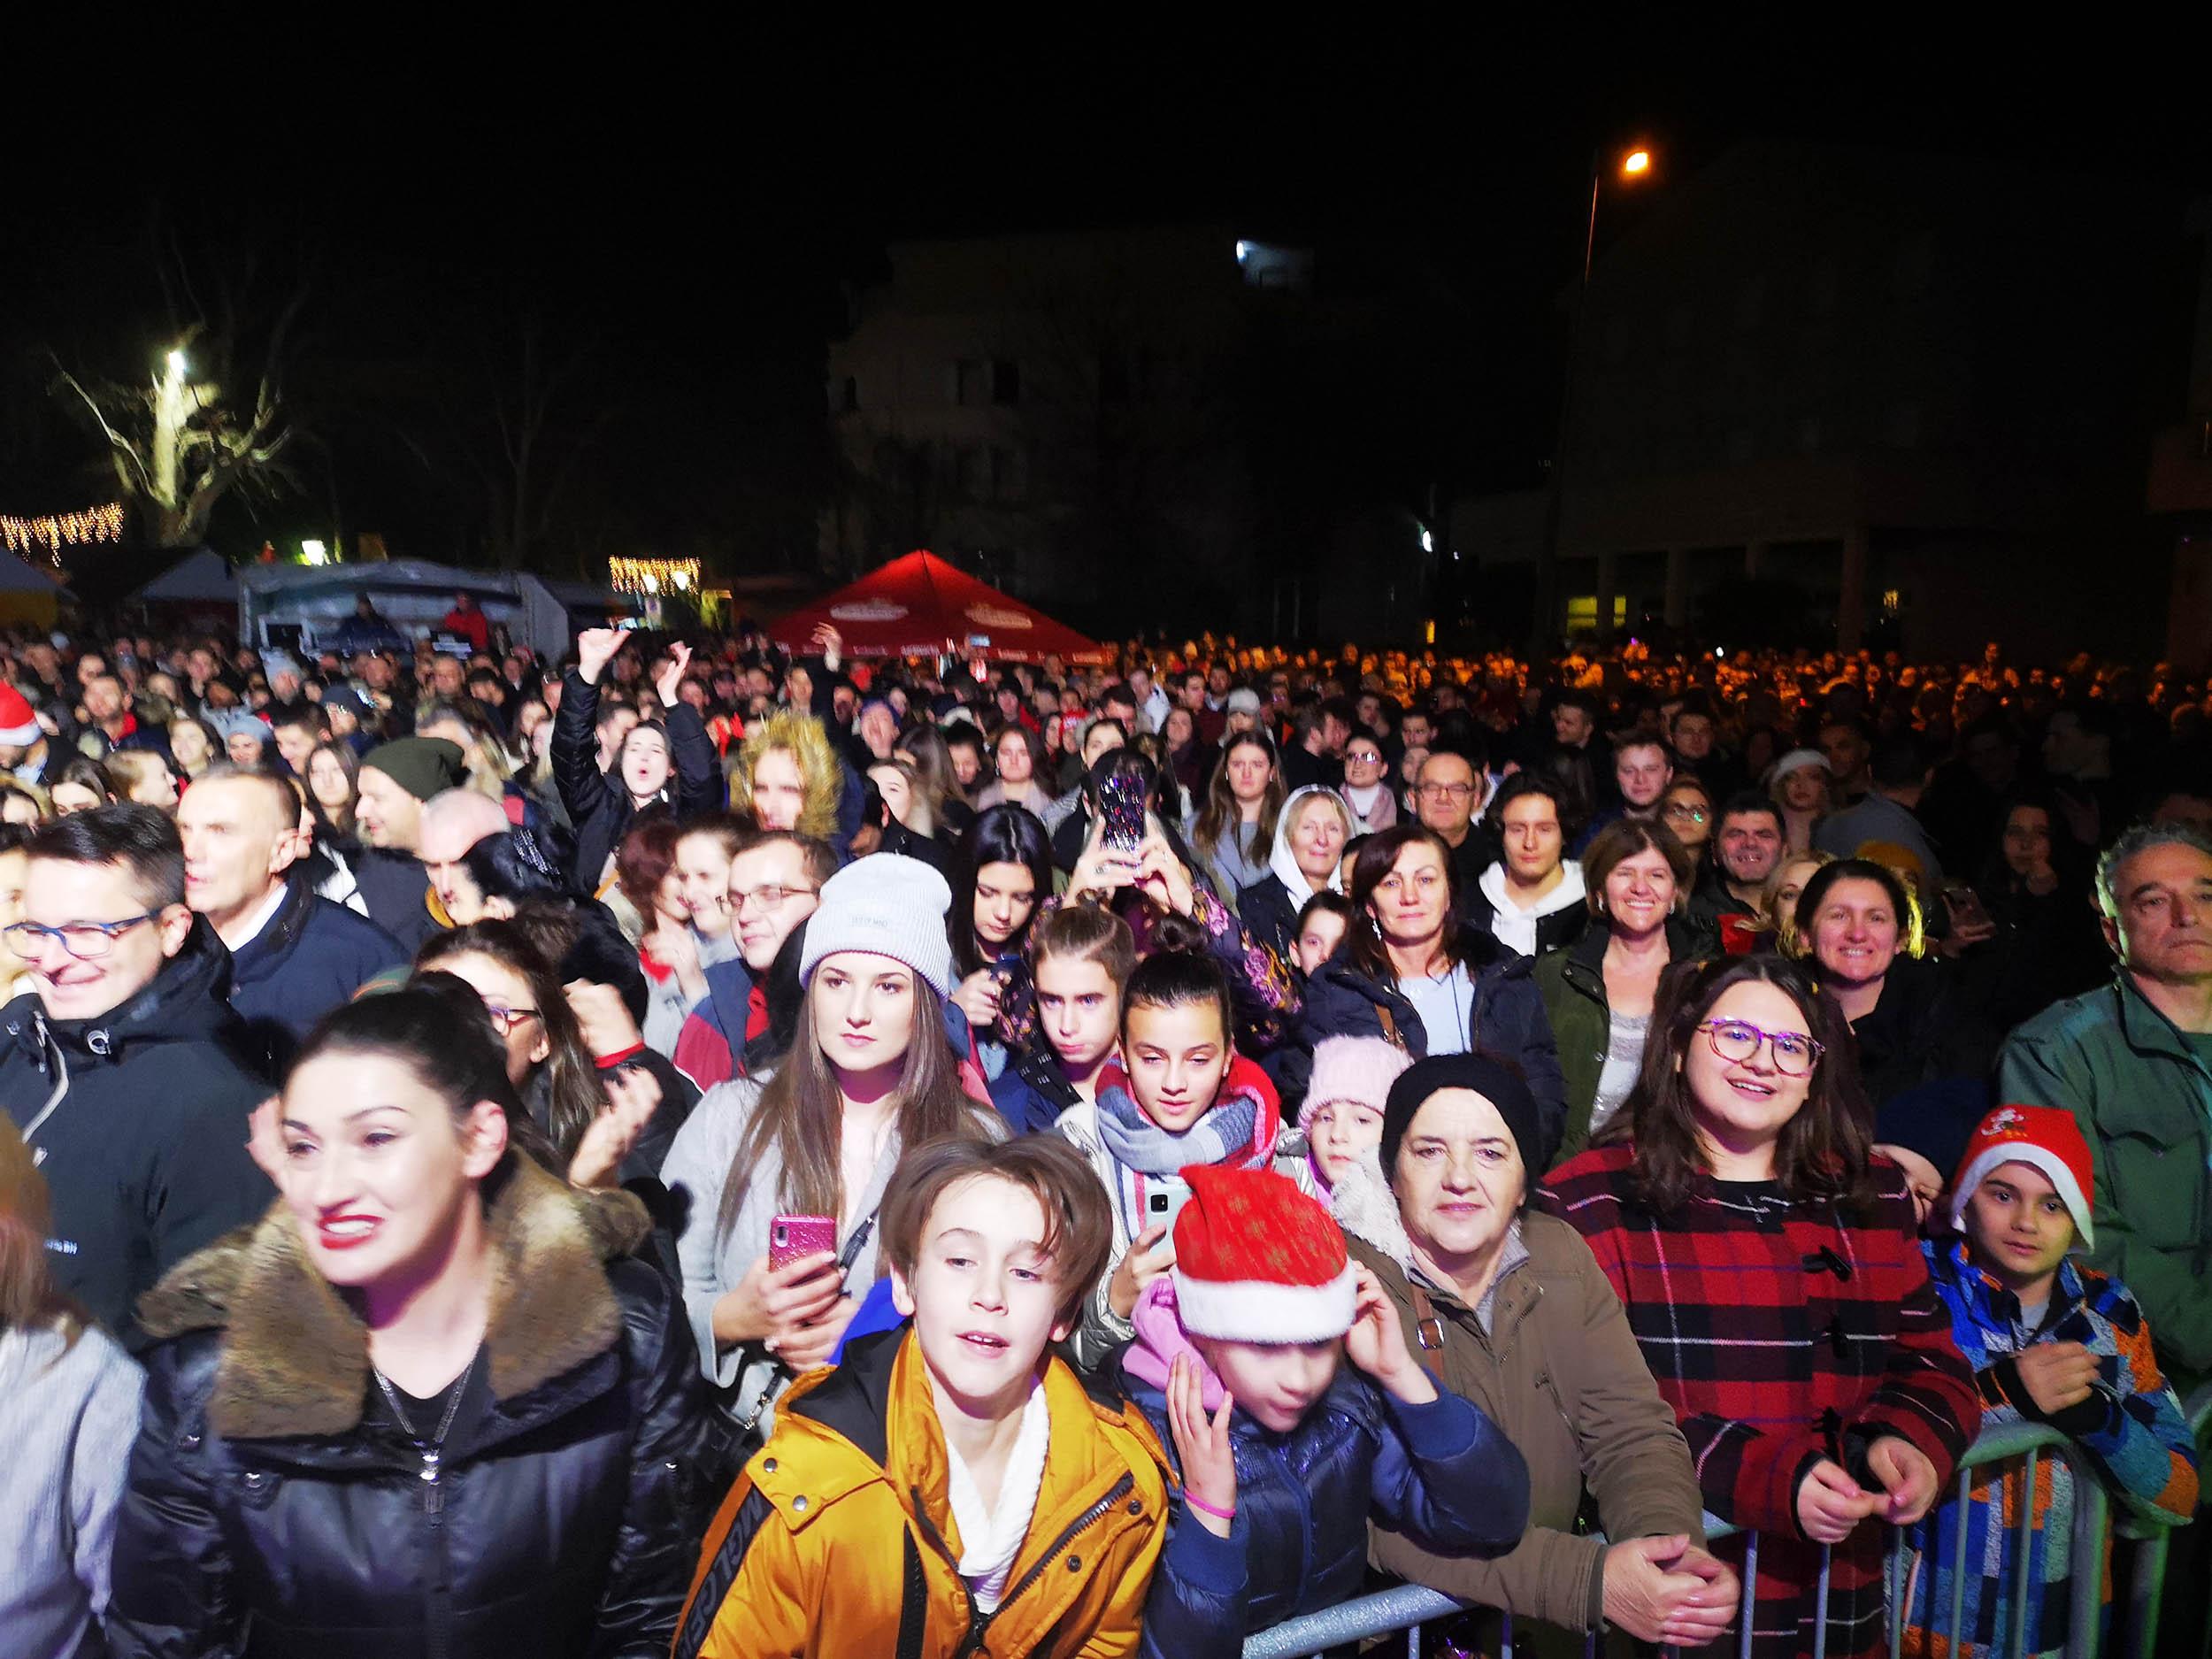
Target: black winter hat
(1497,1082)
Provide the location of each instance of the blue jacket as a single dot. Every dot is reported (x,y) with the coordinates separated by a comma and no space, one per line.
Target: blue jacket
(1442,1474)
(1031,1093)
(311,957)
(1508,1020)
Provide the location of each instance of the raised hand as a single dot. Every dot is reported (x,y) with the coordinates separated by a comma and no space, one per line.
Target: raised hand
(632,1096)
(1202,1446)
(670,674)
(1148,1257)
(1377,1342)
(596,648)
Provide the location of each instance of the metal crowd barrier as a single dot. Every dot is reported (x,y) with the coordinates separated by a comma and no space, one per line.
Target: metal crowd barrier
(1407,1607)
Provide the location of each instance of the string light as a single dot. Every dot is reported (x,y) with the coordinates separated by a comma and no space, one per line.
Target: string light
(653,576)
(57,531)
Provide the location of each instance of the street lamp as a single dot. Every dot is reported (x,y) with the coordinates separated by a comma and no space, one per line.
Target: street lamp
(314,552)
(1632,168)
(176,361)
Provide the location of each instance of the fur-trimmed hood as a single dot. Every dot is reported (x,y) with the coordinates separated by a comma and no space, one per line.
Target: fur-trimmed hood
(1364,1207)
(808,742)
(294,1357)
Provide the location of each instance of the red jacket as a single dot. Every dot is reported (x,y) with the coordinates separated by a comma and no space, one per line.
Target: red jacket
(1782,1333)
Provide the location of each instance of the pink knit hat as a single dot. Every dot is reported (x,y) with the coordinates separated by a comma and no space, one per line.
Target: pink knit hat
(1356,1069)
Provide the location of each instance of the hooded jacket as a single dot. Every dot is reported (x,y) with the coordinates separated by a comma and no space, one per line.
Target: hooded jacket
(311,957)
(1558,1371)
(1571,981)
(1441,1472)
(599,806)
(859,1461)
(1559,917)
(1269,907)
(273,1510)
(138,1120)
(1507,1018)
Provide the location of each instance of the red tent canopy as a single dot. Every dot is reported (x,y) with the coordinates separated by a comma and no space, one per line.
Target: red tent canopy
(920,605)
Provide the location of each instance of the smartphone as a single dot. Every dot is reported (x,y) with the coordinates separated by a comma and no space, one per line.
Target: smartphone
(1164,1204)
(791,1237)
(1121,813)
(1965,906)
(629,624)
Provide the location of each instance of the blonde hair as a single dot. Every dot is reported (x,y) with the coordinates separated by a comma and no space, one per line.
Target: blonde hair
(820,775)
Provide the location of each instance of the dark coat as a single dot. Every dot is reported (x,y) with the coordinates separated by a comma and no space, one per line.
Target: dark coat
(1509,1018)
(1572,983)
(1270,915)
(1926,1054)
(140,1120)
(311,957)
(394,888)
(1442,1474)
(1031,1093)
(274,1509)
(601,809)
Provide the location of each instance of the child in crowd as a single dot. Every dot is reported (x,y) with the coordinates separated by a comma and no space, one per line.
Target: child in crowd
(1284,1452)
(2053,1342)
(1343,1113)
(1082,956)
(1322,926)
(1030,1515)
(1180,1094)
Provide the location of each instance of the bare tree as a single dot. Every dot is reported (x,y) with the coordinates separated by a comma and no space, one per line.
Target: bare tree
(515,428)
(182,441)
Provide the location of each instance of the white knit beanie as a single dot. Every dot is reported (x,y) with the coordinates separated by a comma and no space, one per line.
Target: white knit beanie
(886,904)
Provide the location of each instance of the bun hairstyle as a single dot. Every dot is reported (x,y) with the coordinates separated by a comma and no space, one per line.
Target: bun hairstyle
(1180,971)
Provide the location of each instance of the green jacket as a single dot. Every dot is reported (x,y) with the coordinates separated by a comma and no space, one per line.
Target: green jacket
(1571,981)
(2144,1099)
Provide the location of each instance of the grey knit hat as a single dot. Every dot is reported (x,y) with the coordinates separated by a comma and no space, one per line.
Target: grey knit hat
(886,904)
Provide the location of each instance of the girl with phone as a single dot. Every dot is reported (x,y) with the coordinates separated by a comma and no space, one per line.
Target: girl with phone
(870,1074)
(1179,1095)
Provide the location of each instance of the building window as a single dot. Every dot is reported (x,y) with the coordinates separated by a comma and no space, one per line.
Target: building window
(1006,381)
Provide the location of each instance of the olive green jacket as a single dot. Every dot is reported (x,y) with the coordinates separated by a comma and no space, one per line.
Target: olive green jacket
(2143,1096)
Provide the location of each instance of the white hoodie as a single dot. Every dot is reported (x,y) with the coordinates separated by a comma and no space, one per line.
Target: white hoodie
(1283,863)
(1515,927)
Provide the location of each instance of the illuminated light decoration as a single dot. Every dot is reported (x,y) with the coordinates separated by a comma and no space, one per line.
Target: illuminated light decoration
(57,531)
(653,576)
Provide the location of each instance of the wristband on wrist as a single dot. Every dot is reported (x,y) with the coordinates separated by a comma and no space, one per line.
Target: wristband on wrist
(1199,1503)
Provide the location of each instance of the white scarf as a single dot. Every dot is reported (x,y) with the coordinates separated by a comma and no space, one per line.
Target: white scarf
(990,1538)
(1284,862)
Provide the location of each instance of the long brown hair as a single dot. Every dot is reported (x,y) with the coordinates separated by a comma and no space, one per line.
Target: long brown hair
(801,1115)
(1825,1151)
(27,1297)
(1221,815)
(572,1093)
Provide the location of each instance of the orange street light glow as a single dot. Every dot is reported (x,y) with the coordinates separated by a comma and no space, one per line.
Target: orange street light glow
(1636,162)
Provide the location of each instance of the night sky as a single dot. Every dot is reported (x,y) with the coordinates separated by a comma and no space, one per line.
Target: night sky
(681,217)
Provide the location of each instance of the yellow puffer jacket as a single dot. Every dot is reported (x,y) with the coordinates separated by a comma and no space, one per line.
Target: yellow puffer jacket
(839,1540)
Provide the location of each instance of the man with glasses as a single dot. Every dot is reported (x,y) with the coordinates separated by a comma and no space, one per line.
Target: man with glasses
(1448,793)
(119,1067)
(775,884)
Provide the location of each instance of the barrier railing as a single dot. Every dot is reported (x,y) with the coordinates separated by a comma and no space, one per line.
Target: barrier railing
(1407,1608)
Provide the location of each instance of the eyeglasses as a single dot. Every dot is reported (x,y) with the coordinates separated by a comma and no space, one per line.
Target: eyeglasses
(1735,1042)
(505,1019)
(769,894)
(1363,757)
(1446,791)
(85,940)
(1687,814)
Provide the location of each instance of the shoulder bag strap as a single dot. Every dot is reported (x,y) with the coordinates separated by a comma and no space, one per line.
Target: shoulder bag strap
(1428,1333)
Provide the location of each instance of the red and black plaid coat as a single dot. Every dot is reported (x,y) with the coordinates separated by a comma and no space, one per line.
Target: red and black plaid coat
(1781,1333)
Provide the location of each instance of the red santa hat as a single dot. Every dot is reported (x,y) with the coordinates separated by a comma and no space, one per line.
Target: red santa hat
(2044,1137)
(1257,1261)
(19,727)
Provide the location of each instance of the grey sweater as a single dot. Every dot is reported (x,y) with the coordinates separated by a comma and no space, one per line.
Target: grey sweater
(747,1377)
(68,1414)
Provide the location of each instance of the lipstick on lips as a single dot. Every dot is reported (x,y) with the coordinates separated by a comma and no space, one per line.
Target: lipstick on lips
(348,1231)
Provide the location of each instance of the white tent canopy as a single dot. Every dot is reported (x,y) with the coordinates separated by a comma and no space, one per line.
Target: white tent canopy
(411,594)
(202,576)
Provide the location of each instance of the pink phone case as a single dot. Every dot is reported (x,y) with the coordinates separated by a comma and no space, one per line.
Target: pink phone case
(790,1237)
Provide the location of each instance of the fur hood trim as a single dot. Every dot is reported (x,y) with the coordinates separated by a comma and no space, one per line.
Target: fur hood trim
(295,1358)
(1364,1207)
(808,742)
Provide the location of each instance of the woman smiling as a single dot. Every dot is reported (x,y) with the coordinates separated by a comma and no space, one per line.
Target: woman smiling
(428,1338)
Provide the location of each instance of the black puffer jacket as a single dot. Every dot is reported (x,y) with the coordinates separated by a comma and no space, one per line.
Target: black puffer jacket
(274,1510)
(599,807)
(139,1119)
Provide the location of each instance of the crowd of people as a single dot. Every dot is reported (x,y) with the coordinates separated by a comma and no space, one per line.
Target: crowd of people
(694,1148)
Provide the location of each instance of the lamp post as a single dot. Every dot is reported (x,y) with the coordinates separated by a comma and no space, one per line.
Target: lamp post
(1633,167)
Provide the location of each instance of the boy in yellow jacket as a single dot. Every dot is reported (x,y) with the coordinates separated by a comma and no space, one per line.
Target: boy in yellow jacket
(951,1479)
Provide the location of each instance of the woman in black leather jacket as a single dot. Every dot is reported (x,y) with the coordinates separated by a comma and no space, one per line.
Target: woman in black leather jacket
(428,1404)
